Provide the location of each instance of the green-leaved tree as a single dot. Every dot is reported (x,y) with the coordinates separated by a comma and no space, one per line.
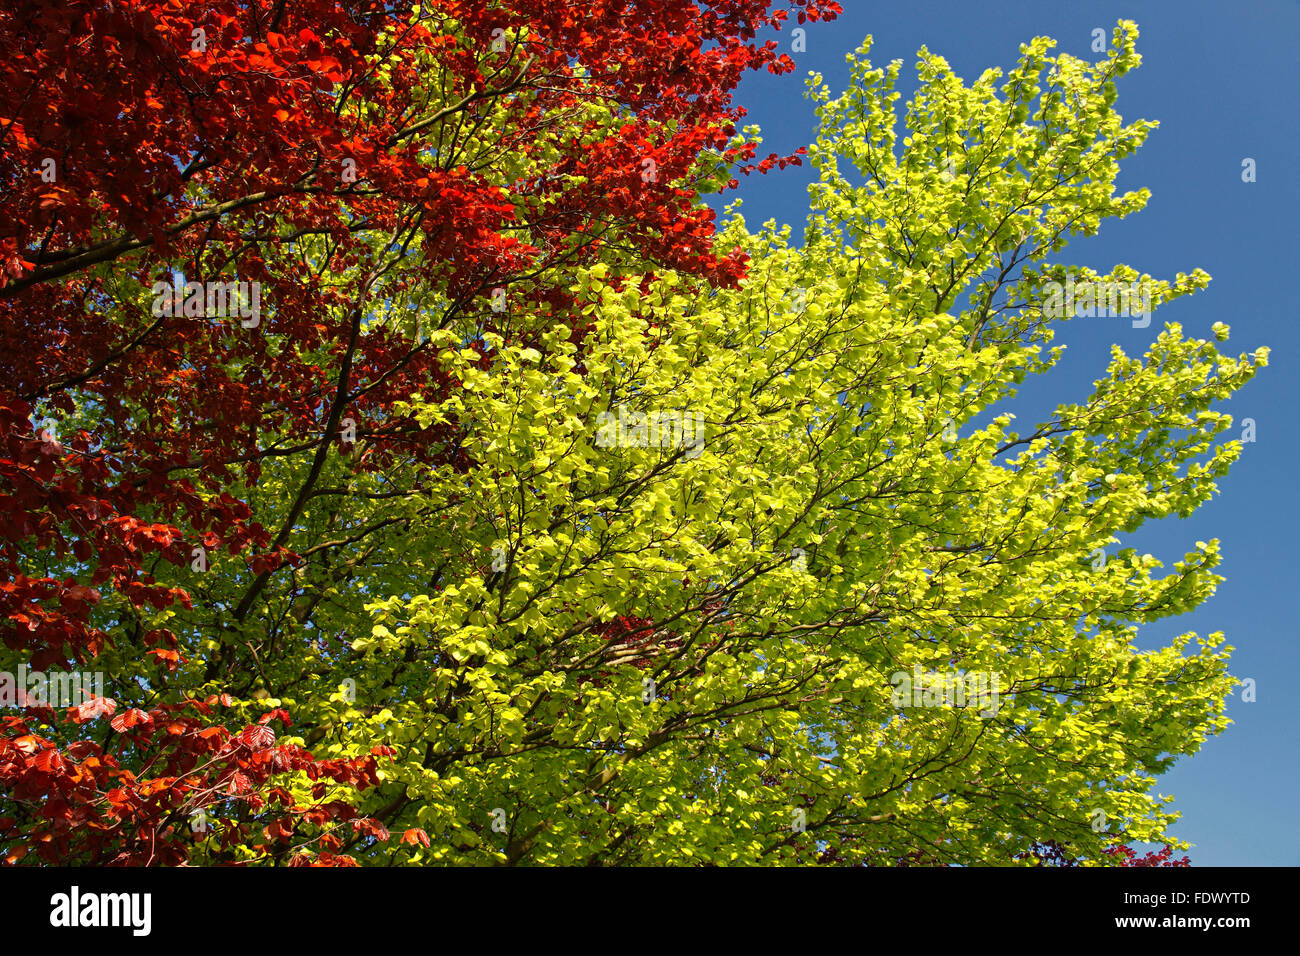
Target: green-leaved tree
(765,574)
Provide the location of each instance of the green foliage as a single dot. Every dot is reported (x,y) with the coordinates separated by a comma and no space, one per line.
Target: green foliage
(859,506)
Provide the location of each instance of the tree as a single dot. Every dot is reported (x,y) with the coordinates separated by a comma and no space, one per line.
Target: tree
(650,643)
(663,555)
(346,160)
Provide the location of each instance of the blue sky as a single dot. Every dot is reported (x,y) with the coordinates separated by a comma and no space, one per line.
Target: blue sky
(1222,80)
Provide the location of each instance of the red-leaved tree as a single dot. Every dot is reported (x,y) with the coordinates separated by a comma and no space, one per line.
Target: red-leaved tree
(333,154)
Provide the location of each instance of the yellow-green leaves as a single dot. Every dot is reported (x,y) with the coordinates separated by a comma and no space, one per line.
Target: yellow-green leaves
(659,603)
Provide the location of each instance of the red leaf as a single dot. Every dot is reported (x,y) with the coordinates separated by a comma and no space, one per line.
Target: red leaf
(95,707)
(257,738)
(415,836)
(49,761)
(130,718)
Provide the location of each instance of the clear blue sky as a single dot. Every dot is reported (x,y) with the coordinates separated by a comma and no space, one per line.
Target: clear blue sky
(1222,79)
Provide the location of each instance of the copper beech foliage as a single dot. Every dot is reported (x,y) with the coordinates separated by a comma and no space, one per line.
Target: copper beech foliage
(145,138)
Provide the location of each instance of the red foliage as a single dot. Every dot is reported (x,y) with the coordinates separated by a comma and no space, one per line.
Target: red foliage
(1162,857)
(81,803)
(1052,853)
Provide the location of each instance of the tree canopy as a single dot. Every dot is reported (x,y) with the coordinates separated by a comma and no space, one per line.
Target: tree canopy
(528,518)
